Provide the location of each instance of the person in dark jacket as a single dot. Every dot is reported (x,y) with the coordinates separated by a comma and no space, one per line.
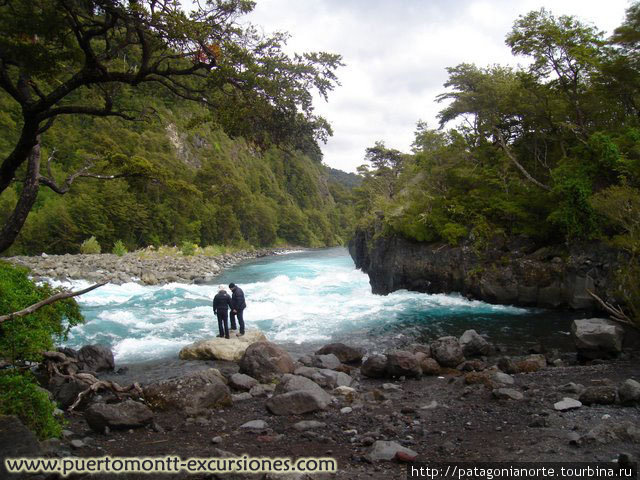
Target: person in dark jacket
(221,306)
(237,307)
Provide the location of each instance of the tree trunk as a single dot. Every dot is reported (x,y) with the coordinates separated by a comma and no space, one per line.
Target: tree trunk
(28,196)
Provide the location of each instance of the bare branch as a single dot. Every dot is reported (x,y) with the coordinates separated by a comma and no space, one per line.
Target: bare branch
(615,311)
(513,158)
(48,301)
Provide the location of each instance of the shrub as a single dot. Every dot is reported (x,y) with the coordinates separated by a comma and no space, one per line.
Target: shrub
(20,396)
(119,249)
(188,248)
(24,338)
(90,245)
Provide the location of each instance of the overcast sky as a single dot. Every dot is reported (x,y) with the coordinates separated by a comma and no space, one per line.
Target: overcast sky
(396,52)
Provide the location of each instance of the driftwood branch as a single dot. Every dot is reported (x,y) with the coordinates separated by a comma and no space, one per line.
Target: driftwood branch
(48,301)
(615,311)
(513,158)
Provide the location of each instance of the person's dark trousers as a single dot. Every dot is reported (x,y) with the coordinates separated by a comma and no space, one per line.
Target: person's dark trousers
(240,320)
(223,323)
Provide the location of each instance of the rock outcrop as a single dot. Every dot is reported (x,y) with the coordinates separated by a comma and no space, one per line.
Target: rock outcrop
(512,271)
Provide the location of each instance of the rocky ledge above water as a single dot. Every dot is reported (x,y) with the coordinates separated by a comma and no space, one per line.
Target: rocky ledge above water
(510,271)
(148,267)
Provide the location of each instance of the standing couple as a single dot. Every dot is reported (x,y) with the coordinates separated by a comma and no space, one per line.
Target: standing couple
(222,302)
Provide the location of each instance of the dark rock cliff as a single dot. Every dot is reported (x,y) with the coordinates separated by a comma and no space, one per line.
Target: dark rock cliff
(512,272)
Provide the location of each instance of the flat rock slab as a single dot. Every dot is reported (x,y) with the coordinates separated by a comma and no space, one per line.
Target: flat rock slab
(567,404)
(254,425)
(296,403)
(507,394)
(231,349)
(127,414)
(308,425)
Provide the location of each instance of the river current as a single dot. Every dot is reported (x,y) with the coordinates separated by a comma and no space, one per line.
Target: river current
(300,299)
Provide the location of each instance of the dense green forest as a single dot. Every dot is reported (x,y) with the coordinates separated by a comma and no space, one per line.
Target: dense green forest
(550,151)
(184,179)
(155,126)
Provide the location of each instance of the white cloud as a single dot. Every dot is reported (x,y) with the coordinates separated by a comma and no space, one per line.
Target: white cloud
(396,54)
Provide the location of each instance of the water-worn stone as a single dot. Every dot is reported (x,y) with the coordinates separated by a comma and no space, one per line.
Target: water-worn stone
(507,394)
(429,366)
(95,358)
(242,382)
(503,378)
(254,425)
(345,353)
(474,345)
(629,392)
(387,451)
(308,425)
(447,351)
(266,361)
(229,349)
(118,416)
(292,383)
(241,397)
(329,361)
(597,337)
(374,366)
(532,363)
(296,403)
(601,395)
(401,363)
(571,387)
(193,393)
(567,404)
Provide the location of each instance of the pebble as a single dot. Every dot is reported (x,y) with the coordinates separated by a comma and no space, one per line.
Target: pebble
(346,410)
(567,404)
(216,440)
(77,444)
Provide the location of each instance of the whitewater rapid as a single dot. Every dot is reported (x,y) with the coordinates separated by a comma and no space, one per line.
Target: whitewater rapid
(301,297)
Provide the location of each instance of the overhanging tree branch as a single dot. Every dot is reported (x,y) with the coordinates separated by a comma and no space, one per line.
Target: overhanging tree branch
(48,301)
(515,161)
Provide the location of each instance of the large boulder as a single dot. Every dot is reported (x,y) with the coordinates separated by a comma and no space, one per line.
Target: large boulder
(629,392)
(194,393)
(325,377)
(597,338)
(266,361)
(402,363)
(230,349)
(474,345)
(345,353)
(601,395)
(447,351)
(95,358)
(118,416)
(297,402)
(65,390)
(374,366)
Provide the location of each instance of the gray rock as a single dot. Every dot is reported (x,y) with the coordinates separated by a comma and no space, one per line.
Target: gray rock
(333,379)
(474,345)
(374,366)
(346,410)
(386,451)
(193,393)
(401,363)
(216,440)
(266,361)
(241,397)
(308,425)
(262,390)
(329,361)
(242,382)
(602,395)
(254,425)
(124,415)
(567,404)
(507,394)
(292,383)
(96,358)
(447,351)
(503,378)
(571,387)
(77,444)
(507,365)
(344,353)
(296,403)
(629,392)
(597,337)
(429,366)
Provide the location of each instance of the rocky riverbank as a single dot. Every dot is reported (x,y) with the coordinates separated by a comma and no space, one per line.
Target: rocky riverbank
(149,266)
(508,271)
(452,399)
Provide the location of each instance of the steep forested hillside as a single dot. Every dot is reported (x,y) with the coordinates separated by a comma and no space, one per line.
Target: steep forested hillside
(549,153)
(183,179)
